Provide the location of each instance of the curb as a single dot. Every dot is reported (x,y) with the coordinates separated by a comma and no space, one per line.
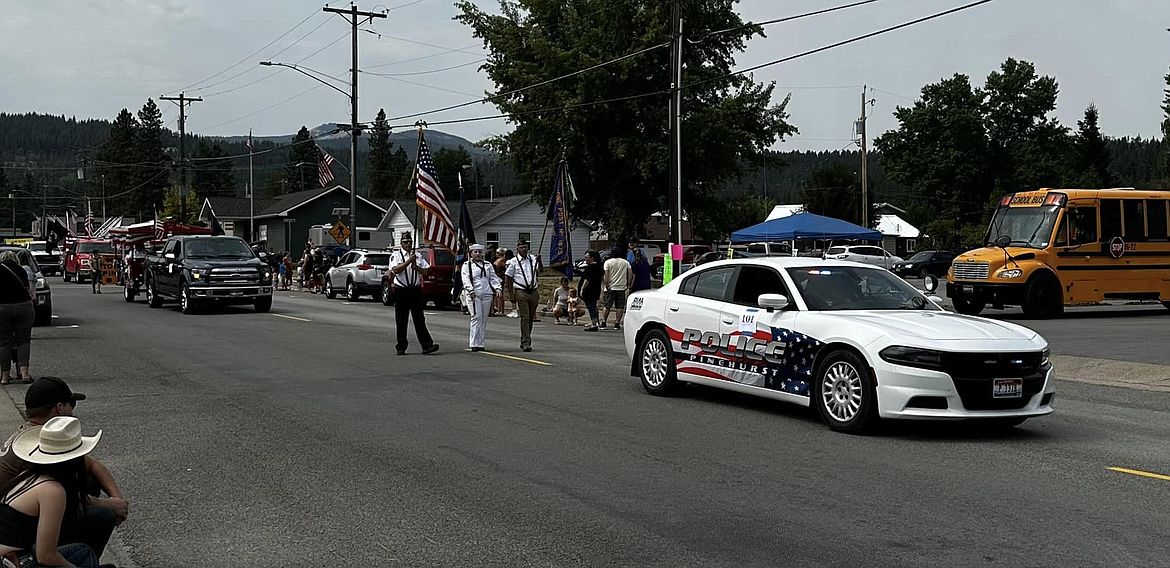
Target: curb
(11,417)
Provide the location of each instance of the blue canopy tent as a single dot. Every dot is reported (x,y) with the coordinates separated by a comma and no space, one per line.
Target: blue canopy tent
(804,226)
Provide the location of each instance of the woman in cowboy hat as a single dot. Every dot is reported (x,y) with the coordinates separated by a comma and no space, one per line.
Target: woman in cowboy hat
(36,501)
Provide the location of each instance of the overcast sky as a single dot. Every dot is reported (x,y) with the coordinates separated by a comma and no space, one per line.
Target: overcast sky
(90,58)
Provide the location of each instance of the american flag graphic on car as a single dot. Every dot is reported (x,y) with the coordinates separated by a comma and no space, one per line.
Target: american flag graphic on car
(774,358)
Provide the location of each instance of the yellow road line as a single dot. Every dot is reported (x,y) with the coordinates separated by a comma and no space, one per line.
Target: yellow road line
(1141,473)
(521,359)
(290,317)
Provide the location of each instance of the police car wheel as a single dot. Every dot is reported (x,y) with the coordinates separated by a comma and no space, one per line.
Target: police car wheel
(844,393)
(656,364)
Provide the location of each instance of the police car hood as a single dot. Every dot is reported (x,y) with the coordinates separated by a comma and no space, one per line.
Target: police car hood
(917,326)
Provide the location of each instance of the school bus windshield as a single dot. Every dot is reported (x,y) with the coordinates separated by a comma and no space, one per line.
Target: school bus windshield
(1026,226)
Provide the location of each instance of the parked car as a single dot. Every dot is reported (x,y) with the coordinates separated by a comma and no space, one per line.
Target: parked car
(358,273)
(43,302)
(722,255)
(690,253)
(436,286)
(770,249)
(865,254)
(932,262)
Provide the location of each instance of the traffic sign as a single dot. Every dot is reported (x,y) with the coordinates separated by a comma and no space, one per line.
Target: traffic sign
(339,232)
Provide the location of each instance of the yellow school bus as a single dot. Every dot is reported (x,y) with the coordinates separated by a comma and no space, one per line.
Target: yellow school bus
(1049,248)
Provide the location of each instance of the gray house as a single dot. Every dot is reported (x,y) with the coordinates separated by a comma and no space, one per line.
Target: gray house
(497,223)
(284,221)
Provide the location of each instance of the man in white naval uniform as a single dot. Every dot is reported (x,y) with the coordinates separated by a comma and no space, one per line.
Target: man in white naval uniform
(480,285)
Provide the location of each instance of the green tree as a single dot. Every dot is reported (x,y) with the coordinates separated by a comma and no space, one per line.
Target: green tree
(118,149)
(1164,151)
(152,172)
(1091,153)
(448,165)
(301,171)
(833,192)
(172,206)
(619,152)
(1029,149)
(213,177)
(389,168)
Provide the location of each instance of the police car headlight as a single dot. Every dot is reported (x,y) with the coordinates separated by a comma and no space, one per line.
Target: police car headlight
(913,357)
(1013,273)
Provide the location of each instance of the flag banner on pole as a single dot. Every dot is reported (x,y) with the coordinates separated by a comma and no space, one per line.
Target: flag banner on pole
(437,227)
(324,172)
(216,227)
(466,228)
(560,253)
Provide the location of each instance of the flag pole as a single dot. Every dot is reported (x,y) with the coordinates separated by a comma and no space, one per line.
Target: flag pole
(552,198)
(417,153)
(251,193)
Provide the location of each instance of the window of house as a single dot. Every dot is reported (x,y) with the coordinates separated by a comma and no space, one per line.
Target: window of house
(1156,219)
(1110,218)
(493,240)
(263,233)
(1135,219)
(525,237)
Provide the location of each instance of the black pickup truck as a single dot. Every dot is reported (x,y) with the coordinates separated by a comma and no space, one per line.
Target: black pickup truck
(197,270)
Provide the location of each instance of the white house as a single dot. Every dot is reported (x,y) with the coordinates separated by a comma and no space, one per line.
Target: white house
(497,223)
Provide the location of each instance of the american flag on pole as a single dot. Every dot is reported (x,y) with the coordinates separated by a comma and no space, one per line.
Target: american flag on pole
(437,226)
(324,172)
(89,221)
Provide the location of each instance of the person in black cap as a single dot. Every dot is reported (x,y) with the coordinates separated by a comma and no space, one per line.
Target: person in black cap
(409,268)
(45,399)
(522,277)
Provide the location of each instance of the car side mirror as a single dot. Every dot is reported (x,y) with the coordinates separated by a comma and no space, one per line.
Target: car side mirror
(930,283)
(935,299)
(772,301)
(1003,241)
(170,256)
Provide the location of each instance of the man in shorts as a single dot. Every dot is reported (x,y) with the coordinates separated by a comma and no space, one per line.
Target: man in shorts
(616,280)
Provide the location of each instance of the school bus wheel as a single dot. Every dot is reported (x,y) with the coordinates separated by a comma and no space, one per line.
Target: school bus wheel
(968,306)
(1042,296)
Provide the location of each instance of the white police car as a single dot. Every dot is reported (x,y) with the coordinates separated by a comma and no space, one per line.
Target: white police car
(854,340)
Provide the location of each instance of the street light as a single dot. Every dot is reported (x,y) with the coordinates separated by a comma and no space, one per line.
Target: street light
(353,131)
(474,172)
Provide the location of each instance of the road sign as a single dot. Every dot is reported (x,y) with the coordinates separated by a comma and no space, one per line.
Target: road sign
(339,232)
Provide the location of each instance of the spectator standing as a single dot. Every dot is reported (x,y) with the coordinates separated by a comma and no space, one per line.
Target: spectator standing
(617,278)
(409,268)
(16,316)
(307,272)
(590,286)
(521,278)
(639,264)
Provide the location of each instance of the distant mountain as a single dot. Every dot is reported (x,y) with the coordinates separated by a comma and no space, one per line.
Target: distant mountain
(406,139)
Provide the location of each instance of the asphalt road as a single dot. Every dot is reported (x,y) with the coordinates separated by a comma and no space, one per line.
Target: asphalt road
(298,438)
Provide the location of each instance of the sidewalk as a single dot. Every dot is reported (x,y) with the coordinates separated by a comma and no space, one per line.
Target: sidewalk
(1107,372)
(11,417)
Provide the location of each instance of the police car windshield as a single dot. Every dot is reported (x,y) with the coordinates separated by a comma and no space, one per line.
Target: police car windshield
(218,247)
(829,288)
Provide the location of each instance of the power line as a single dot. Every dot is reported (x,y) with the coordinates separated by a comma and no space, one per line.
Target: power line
(840,43)
(538,111)
(394,78)
(444,52)
(267,108)
(416,42)
(250,69)
(230,67)
(270,150)
(533,86)
(469,63)
(270,75)
(891,94)
(784,19)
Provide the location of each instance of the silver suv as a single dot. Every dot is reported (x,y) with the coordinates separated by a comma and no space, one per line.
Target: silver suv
(358,273)
(867,254)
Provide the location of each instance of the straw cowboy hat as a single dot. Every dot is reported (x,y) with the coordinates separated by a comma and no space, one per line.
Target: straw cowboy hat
(59,440)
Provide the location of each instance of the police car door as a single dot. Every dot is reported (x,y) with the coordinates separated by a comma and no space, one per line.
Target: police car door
(692,318)
(765,341)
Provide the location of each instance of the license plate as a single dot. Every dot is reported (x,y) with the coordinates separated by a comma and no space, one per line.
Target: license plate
(968,289)
(237,292)
(1007,388)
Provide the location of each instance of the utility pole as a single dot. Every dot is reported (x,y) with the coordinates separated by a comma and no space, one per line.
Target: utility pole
(866,212)
(251,193)
(674,194)
(354,131)
(183,102)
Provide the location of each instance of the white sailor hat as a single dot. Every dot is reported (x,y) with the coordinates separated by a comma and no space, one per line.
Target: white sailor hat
(476,247)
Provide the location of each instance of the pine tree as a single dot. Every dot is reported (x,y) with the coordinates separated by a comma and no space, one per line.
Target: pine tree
(152,172)
(1091,153)
(118,149)
(387,166)
(301,171)
(1164,159)
(212,177)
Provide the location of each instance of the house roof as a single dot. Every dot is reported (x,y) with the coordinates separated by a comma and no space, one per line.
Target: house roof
(895,226)
(482,211)
(238,207)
